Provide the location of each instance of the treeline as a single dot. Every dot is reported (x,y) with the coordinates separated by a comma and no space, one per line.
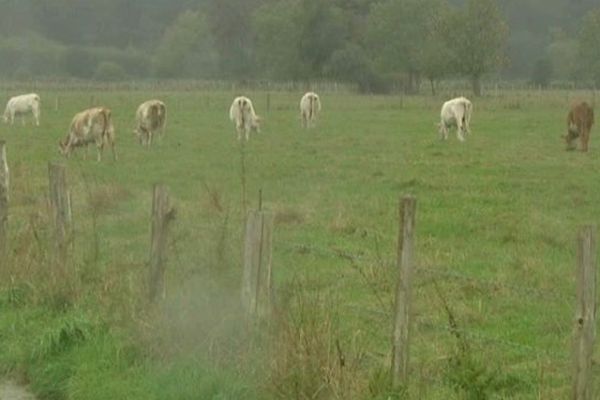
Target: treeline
(376,44)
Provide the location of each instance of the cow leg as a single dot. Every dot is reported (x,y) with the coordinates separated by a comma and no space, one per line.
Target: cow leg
(443,131)
(459,131)
(99,149)
(585,137)
(112,148)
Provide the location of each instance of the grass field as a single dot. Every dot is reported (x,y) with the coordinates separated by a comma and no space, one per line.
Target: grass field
(496,227)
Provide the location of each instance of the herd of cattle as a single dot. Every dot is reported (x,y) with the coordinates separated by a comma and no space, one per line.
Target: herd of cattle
(94,125)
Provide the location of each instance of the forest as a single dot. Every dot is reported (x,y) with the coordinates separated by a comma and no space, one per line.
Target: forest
(375,44)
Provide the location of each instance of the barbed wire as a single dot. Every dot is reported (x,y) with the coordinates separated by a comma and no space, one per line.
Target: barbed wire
(428,274)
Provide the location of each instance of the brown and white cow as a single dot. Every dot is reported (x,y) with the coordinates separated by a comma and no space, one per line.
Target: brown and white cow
(93,125)
(579,124)
(310,107)
(242,114)
(150,119)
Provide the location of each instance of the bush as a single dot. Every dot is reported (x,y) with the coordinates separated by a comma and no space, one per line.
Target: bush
(542,72)
(79,62)
(109,71)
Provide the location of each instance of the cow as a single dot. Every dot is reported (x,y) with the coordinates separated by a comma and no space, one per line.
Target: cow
(93,125)
(150,118)
(456,112)
(310,107)
(21,105)
(579,124)
(242,114)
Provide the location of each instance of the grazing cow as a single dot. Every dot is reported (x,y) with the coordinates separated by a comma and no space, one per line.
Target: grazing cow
(310,106)
(150,118)
(93,125)
(21,105)
(242,114)
(579,124)
(456,112)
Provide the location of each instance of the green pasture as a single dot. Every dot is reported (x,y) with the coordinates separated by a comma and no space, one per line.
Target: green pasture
(497,219)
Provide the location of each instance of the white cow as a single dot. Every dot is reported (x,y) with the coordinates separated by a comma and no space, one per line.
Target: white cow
(21,105)
(456,112)
(93,125)
(150,118)
(243,116)
(310,107)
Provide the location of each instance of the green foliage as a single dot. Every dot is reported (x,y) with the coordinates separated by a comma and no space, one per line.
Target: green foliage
(589,51)
(352,64)
(562,54)
(109,71)
(79,62)
(479,40)
(29,55)
(277,40)
(410,37)
(542,72)
(232,31)
(187,49)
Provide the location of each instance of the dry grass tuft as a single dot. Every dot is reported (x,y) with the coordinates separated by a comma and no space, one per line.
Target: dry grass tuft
(288,216)
(310,358)
(106,197)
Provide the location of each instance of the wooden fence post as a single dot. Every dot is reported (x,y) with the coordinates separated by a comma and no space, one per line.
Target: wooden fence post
(60,202)
(4,192)
(403,308)
(162,215)
(257,263)
(585,314)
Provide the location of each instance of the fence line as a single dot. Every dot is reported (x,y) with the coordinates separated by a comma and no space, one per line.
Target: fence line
(431,272)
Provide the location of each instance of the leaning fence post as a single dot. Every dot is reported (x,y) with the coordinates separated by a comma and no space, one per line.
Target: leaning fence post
(4,191)
(162,214)
(585,314)
(60,202)
(402,314)
(257,263)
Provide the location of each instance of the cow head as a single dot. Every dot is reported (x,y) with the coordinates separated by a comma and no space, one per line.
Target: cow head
(63,148)
(256,124)
(571,136)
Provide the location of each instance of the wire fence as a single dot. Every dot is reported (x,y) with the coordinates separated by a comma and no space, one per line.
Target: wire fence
(429,275)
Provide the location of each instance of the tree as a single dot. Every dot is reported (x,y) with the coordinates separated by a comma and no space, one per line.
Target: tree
(479,40)
(322,33)
(400,40)
(231,27)
(276,40)
(542,72)
(186,49)
(589,50)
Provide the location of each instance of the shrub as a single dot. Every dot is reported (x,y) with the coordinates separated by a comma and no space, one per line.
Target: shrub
(109,71)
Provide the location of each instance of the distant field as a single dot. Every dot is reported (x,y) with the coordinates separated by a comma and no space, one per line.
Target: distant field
(496,227)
